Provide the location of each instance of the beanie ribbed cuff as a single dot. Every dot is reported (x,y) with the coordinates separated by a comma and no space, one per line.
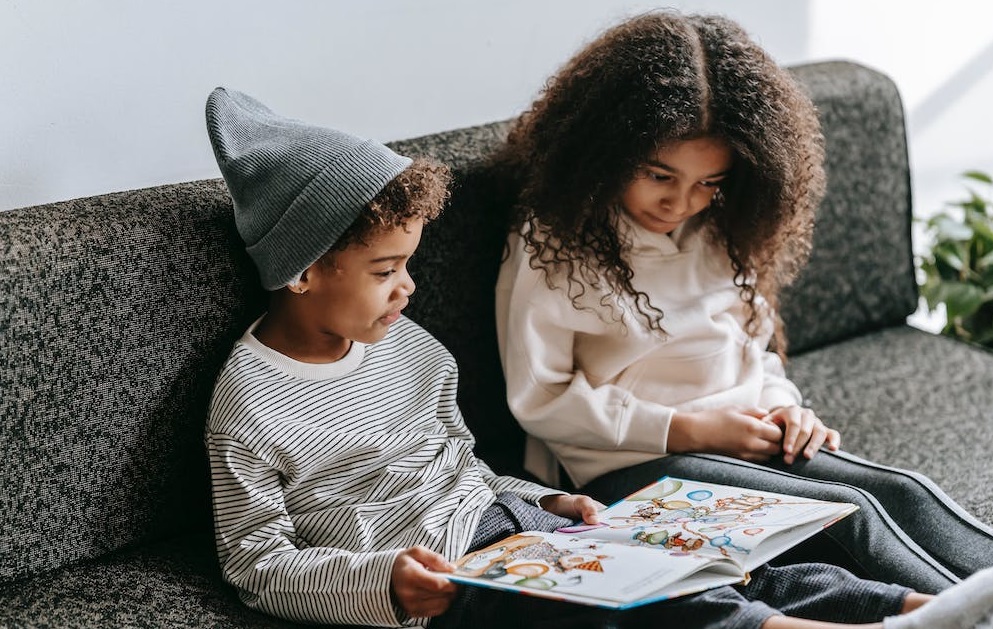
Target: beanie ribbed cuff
(323,210)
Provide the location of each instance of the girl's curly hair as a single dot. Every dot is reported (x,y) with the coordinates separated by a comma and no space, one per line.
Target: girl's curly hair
(655,79)
(420,191)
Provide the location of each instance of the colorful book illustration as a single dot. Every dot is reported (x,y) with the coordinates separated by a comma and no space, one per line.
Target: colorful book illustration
(672,538)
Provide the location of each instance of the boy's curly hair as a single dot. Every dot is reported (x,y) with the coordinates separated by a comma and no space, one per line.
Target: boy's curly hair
(655,79)
(420,191)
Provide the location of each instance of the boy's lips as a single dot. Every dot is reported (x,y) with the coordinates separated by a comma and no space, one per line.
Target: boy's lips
(392,316)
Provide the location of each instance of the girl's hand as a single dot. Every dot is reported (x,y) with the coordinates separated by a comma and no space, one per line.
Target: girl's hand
(732,431)
(417,588)
(573,506)
(802,430)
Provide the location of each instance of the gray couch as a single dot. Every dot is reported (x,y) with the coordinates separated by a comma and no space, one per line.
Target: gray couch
(116,312)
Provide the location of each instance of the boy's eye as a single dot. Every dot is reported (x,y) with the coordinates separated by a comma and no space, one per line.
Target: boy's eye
(385,273)
(710,184)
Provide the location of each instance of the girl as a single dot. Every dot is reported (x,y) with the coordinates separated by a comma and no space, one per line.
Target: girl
(668,179)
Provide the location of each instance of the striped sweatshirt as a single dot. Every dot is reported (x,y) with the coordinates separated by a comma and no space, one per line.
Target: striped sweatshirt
(322,474)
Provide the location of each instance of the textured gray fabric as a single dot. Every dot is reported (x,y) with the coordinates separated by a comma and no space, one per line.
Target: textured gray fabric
(296,186)
(910,399)
(861,274)
(455,269)
(173,584)
(510,515)
(115,313)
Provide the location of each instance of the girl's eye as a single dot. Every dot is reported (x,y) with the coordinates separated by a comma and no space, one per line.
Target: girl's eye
(658,177)
(385,274)
(710,184)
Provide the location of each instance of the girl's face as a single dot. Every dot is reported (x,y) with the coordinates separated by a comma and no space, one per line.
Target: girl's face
(676,182)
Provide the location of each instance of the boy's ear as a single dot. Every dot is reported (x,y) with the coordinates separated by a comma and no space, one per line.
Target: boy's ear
(302,285)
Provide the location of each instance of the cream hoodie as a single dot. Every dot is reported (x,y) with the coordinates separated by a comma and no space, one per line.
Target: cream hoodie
(596,389)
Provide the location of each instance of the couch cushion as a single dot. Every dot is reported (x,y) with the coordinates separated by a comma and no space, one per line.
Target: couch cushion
(911,399)
(171,584)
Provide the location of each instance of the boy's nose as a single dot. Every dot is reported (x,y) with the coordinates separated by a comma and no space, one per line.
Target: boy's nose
(408,286)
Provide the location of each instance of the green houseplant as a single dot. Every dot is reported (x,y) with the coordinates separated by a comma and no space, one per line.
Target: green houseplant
(958,270)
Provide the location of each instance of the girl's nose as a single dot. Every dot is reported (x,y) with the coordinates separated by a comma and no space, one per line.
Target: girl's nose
(681,203)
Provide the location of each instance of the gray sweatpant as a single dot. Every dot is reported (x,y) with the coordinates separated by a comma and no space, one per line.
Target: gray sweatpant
(907,530)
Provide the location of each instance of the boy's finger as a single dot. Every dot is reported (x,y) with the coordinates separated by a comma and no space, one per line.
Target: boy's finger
(589,510)
(431,560)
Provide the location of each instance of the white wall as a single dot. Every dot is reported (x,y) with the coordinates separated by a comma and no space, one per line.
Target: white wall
(108,95)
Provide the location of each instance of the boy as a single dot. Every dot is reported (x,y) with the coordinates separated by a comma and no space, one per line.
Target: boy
(343,474)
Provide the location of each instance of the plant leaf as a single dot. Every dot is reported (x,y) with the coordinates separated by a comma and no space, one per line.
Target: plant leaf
(961,299)
(948,254)
(947,228)
(978,176)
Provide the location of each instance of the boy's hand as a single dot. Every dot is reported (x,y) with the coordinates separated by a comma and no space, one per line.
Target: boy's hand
(573,506)
(732,431)
(419,591)
(802,430)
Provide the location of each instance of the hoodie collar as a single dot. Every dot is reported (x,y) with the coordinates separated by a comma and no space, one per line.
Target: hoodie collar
(644,242)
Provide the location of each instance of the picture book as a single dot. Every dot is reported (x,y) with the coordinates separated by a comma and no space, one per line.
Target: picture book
(671,538)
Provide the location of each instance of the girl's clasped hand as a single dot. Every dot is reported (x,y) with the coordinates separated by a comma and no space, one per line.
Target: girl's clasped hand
(752,433)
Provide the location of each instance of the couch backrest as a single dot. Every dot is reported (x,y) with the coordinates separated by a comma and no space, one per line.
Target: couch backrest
(115,314)
(861,273)
(456,269)
(117,311)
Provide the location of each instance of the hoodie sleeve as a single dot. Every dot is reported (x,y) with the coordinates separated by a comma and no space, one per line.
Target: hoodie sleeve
(552,399)
(777,389)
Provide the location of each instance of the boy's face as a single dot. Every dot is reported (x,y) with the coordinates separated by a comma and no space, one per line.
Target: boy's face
(360,293)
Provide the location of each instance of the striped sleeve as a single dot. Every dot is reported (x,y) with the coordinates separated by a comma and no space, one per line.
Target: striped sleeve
(451,418)
(259,554)
(526,490)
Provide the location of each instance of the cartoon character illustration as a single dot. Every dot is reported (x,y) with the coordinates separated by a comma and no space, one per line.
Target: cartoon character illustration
(490,562)
(669,541)
(530,557)
(744,503)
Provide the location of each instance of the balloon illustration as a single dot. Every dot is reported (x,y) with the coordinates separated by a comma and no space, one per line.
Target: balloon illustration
(528,569)
(699,494)
(752,531)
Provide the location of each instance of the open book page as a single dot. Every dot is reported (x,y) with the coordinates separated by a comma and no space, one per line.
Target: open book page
(564,567)
(749,527)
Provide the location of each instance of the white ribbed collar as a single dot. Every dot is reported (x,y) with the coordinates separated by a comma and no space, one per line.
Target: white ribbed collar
(308,371)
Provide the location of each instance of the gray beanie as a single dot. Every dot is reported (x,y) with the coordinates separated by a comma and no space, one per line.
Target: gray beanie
(296,187)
